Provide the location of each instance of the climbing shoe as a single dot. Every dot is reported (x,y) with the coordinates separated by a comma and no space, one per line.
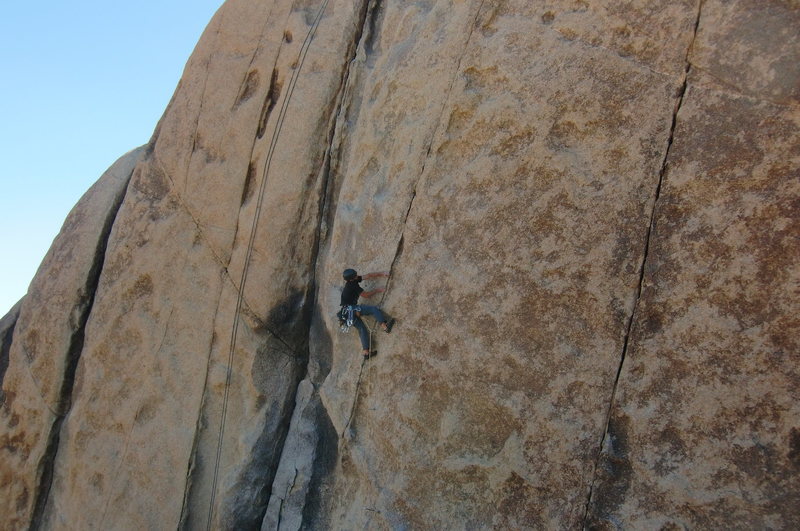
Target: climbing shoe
(389,325)
(371,354)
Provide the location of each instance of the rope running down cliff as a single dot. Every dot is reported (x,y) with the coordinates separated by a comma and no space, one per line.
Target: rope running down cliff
(240,295)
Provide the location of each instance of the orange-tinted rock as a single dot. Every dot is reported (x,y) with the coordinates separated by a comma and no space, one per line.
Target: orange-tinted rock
(527,214)
(704,432)
(145,444)
(552,195)
(48,335)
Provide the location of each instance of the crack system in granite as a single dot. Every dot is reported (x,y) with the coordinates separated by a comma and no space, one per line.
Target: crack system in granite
(643,264)
(47,465)
(329,166)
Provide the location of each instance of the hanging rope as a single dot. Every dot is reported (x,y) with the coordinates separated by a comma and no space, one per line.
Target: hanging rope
(240,294)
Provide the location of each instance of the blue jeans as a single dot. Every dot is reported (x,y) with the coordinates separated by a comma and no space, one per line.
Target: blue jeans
(363,332)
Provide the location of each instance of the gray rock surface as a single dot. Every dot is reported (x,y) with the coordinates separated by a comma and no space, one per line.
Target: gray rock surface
(290,489)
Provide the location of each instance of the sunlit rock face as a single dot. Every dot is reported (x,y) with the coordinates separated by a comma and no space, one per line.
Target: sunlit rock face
(589,213)
(42,338)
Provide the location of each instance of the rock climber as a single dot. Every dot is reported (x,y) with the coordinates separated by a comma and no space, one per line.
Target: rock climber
(351,311)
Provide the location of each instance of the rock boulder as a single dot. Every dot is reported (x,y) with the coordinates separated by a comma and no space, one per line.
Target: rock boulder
(588,213)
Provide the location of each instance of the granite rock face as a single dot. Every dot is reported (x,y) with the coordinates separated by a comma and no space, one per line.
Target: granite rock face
(704,432)
(47,339)
(589,213)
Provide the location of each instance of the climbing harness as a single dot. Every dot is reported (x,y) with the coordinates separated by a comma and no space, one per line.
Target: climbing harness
(240,294)
(347,317)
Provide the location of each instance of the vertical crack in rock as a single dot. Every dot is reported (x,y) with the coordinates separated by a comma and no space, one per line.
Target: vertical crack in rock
(285,497)
(273,95)
(354,405)
(339,107)
(330,165)
(268,468)
(368,7)
(400,243)
(370,23)
(246,90)
(74,351)
(199,425)
(200,109)
(365,39)
(642,268)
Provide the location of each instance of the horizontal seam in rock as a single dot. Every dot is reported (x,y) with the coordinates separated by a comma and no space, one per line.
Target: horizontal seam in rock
(730,89)
(217,227)
(248,307)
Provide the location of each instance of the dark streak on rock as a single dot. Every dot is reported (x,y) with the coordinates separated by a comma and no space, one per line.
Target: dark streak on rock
(270,101)
(290,321)
(248,87)
(250,495)
(794,447)
(327,455)
(373,21)
(614,471)
(328,439)
(247,190)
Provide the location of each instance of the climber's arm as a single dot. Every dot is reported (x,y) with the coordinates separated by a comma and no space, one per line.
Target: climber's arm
(375,275)
(368,294)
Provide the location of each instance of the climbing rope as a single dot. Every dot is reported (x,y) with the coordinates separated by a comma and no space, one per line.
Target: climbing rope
(240,292)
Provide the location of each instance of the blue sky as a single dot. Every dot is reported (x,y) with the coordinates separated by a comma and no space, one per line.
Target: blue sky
(82,83)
